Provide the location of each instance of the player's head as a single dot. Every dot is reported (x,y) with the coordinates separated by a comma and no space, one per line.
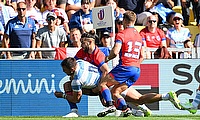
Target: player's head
(51,19)
(21,9)
(87,40)
(106,39)
(69,65)
(188,44)
(129,18)
(75,35)
(152,21)
(85,2)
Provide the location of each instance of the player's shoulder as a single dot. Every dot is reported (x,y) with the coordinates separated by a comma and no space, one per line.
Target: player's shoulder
(98,51)
(160,30)
(13,20)
(83,63)
(81,51)
(79,61)
(185,28)
(30,20)
(130,31)
(43,30)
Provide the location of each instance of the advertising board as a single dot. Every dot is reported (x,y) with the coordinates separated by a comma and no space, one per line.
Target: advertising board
(27,86)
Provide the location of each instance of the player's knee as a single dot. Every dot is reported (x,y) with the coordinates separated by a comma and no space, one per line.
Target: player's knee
(115,94)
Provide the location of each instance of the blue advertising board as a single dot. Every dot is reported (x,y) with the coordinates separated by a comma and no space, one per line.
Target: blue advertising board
(27,89)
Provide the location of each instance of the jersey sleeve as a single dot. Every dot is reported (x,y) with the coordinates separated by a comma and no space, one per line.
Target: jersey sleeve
(8,28)
(79,54)
(76,85)
(189,34)
(161,34)
(32,22)
(119,37)
(142,34)
(99,58)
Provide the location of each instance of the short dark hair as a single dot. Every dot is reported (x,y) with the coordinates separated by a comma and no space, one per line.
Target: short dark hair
(90,34)
(69,62)
(169,16)
(74,29)
(20,3)
(185,42)
(85,2)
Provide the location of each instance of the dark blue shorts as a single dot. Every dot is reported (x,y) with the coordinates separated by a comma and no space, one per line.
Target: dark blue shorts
(125,74)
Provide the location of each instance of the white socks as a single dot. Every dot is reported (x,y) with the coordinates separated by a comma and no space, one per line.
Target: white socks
(165,96)
(143,106)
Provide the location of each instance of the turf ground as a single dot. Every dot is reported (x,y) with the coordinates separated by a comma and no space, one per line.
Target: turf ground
(160,117)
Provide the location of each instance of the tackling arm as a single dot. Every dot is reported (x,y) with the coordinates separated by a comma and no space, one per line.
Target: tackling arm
(114,52)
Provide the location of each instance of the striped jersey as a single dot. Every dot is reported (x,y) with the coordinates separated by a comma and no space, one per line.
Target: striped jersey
(86,76)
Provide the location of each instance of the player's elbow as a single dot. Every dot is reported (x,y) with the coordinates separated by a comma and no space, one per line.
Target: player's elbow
(115,53)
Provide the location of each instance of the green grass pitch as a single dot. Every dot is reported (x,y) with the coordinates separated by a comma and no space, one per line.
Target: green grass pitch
(154,117)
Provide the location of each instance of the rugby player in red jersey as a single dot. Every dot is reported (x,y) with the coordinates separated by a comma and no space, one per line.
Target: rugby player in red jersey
(128,45)
(91,53)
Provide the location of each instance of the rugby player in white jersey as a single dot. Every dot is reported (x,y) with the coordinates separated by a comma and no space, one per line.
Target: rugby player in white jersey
(83,74)
(84,80)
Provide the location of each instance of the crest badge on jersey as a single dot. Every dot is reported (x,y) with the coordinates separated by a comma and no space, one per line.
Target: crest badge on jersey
(101,14)
(16,26)
(29,25)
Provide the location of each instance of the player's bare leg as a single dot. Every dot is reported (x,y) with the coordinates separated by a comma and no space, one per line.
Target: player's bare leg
(136,98)
(131,95)
(104,85)
(117,97)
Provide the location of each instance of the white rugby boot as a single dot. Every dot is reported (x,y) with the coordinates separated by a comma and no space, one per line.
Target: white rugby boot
(73,113)
(137,113)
